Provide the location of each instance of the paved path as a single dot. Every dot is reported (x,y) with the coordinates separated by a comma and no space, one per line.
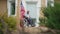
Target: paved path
(32,30)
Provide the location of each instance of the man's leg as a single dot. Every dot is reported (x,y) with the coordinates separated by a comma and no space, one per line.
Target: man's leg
(30,22)
(27,22)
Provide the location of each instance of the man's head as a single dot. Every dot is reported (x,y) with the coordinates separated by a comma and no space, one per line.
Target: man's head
(27,12)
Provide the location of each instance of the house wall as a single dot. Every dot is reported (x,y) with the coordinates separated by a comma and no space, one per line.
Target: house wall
(3,7)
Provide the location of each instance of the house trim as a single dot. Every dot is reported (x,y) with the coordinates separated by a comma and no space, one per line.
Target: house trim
(46,3)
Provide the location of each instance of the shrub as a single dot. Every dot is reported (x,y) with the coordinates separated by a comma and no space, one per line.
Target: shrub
(53,16)
(11,24)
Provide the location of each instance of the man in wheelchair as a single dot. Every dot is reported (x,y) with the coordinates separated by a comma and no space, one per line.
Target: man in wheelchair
(28,20)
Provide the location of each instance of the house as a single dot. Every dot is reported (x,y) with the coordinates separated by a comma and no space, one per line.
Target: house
(12,7)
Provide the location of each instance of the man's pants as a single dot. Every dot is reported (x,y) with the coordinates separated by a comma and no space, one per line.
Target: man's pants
(29,21)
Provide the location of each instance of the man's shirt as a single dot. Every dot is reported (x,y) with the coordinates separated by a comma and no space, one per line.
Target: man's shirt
(27,15)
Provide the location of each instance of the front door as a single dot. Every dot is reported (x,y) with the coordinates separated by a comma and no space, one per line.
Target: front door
(32,7)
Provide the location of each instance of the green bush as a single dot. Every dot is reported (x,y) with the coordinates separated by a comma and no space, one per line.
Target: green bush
(1,32)
(10,22)
(53,16)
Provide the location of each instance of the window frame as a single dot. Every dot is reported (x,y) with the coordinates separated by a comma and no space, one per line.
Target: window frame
(9,7)
(51,4)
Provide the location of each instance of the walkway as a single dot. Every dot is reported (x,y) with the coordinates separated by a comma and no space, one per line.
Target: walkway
(34,30)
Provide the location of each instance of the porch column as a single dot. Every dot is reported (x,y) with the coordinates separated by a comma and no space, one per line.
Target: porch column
(18,15)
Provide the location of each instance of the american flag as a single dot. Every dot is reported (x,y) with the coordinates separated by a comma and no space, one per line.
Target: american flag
(22,13)
(22,10)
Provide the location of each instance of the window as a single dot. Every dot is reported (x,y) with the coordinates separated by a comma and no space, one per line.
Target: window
(50,2)
(11,7)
